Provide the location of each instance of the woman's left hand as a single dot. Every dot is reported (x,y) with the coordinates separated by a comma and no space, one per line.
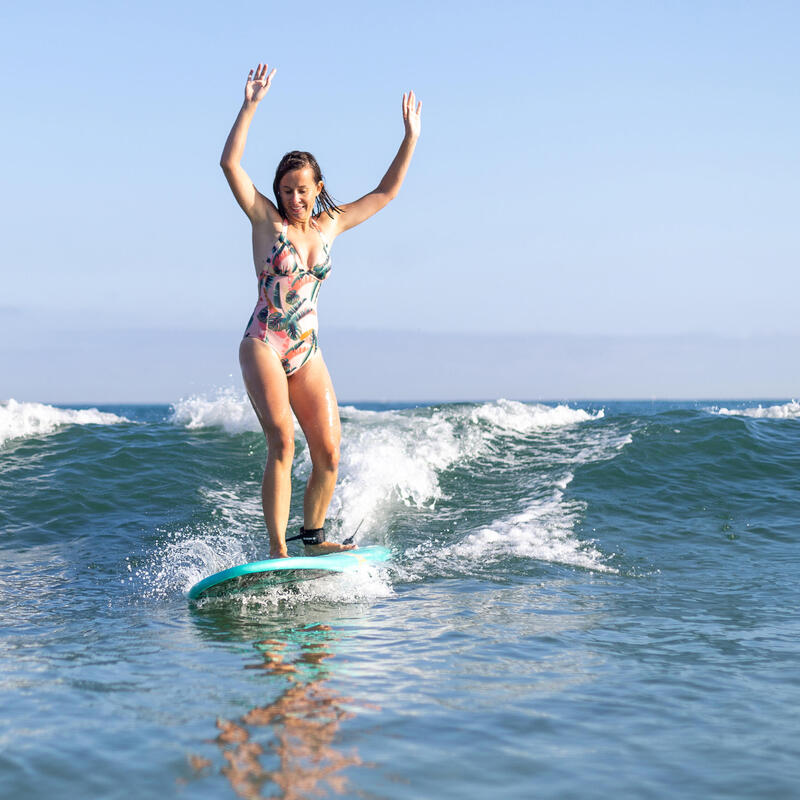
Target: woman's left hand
(411,114)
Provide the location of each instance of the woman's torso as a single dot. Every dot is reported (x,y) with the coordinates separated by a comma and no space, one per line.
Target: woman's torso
(285,316)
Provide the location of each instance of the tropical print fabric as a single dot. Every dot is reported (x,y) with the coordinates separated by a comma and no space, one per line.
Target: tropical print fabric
(285,316)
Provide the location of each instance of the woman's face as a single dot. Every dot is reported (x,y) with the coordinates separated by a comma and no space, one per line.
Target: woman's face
(299,191)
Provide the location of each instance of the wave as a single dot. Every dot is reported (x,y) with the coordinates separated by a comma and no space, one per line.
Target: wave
(395,457)
(391,456)
(790,410)
(231,410)
(511,416)
(400,456)
(18,420)
(227,409)
(543,531)
(393,468)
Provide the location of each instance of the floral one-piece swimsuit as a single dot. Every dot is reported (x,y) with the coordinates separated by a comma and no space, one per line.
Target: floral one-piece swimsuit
(285,316)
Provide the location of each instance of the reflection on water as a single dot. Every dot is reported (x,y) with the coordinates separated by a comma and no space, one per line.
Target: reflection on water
(299,759)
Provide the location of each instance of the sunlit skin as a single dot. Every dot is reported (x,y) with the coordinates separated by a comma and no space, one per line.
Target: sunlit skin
(308,392)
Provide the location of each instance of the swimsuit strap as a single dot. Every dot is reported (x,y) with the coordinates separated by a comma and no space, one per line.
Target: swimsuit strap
(321,234)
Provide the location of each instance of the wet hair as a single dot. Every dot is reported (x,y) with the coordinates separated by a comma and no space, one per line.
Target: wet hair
(299,159)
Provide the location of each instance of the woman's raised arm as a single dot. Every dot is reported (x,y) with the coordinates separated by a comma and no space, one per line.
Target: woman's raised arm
(253,203)
(355,213)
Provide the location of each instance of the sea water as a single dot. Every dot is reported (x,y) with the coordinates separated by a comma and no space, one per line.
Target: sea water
(586,600)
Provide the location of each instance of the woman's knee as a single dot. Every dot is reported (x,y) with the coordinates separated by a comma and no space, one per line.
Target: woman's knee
(280,442)
(325,456)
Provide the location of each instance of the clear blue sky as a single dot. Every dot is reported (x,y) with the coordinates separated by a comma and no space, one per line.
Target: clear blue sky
(596,168)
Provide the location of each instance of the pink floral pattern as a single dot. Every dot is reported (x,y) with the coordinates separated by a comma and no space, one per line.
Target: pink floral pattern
(285,316)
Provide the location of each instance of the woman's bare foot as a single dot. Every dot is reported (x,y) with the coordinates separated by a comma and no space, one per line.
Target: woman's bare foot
(323,548)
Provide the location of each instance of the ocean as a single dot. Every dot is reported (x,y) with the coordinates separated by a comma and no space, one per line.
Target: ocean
(585,600)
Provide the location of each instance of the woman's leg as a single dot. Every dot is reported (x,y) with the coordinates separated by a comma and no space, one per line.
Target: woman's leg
(314,403)
(267,388)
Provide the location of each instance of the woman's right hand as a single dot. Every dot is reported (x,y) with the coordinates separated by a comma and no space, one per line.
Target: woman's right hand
(258,85)
(411,115)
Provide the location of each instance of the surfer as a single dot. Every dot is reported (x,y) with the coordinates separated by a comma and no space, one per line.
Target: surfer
(282,366)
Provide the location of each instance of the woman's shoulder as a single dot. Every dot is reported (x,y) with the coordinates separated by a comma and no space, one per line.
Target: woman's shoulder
(326,225)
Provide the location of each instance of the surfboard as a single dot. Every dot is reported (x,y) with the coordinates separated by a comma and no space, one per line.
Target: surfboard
(260,575)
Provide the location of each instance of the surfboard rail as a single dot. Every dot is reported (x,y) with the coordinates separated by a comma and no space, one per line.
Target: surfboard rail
(257,575)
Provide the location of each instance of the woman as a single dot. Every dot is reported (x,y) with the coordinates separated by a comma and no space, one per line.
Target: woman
(282,366)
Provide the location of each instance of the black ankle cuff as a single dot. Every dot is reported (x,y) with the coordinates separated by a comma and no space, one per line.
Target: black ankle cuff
(312,535)
(309,536)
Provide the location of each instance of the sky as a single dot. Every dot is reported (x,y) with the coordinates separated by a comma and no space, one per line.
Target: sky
(587,171)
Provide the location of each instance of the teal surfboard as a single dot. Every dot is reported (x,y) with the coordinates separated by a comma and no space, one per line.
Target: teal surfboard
(259,575)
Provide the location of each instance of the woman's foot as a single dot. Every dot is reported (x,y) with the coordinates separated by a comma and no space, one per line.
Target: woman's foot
(324,548)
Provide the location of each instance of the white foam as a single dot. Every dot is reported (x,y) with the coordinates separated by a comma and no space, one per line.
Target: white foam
(601,446)
(394,457)
(399,456)
(235,507)
(183,558)
(543,531)
(511,416)
(789,410)
(37,419)
(361,584)
(227,409)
